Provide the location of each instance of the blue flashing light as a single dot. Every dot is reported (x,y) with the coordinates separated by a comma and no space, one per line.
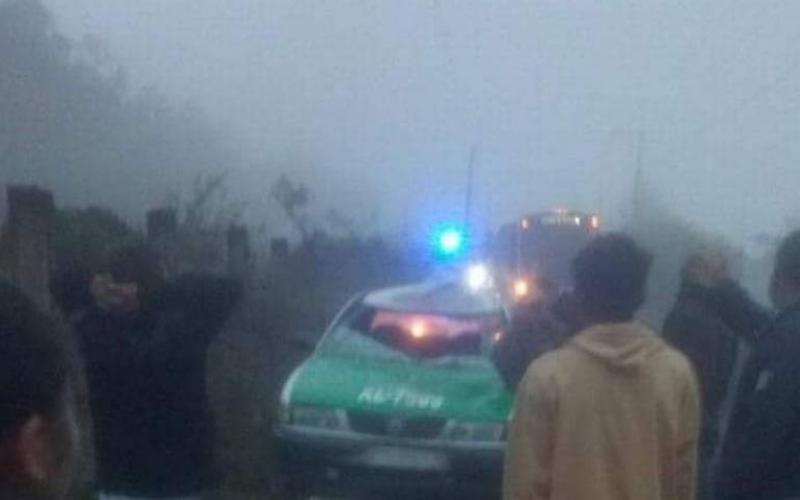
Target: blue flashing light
(451,242)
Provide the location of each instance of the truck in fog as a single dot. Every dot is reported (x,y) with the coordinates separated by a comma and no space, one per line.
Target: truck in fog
(532,256)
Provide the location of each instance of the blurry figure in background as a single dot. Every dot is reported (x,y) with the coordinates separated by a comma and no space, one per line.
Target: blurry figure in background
(613,413)
(145,342)
(538,325)
(760,459)
(39,435)
(696,329)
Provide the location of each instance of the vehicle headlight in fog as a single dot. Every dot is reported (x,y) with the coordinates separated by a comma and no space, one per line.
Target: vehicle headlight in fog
(522,288)
(317,418)
(475,432)
(478,277)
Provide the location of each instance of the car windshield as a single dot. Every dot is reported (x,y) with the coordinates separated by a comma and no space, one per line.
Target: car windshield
(376,332)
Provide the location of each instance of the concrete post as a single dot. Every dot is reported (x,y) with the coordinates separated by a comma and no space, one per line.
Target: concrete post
(239,251)
(27,255)
(6,257)
(162,234)
(31,213)
(279,249)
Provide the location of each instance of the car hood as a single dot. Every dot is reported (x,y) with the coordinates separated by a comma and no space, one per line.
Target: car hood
(471,391)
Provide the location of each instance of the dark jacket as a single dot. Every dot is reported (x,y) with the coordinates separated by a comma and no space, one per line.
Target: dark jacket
(147,377)
(534,331)
(744,316)
(761,454)
(694,328)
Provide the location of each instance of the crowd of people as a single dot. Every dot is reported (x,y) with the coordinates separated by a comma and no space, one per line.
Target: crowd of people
(606,409)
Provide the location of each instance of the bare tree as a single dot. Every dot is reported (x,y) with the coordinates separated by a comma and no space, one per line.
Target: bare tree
(293,200)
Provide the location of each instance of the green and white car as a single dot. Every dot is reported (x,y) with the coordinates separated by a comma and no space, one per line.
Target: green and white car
(400,398)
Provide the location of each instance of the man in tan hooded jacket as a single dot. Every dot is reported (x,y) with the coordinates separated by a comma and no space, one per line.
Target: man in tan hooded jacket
(614,413)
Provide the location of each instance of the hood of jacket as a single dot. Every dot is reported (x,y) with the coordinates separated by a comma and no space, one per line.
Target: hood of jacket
(626,346)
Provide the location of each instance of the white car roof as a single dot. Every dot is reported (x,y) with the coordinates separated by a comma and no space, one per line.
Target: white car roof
(450,298)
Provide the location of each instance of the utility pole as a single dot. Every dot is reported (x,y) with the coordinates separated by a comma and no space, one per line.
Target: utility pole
(638,181)
(469,190)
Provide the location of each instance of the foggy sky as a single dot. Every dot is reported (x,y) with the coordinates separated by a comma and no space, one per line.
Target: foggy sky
(377,104)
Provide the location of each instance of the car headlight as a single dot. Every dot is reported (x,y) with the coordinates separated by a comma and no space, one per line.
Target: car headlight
(475,432)
(316,417)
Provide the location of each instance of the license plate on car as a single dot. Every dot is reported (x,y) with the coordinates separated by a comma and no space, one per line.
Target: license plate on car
(406,459)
